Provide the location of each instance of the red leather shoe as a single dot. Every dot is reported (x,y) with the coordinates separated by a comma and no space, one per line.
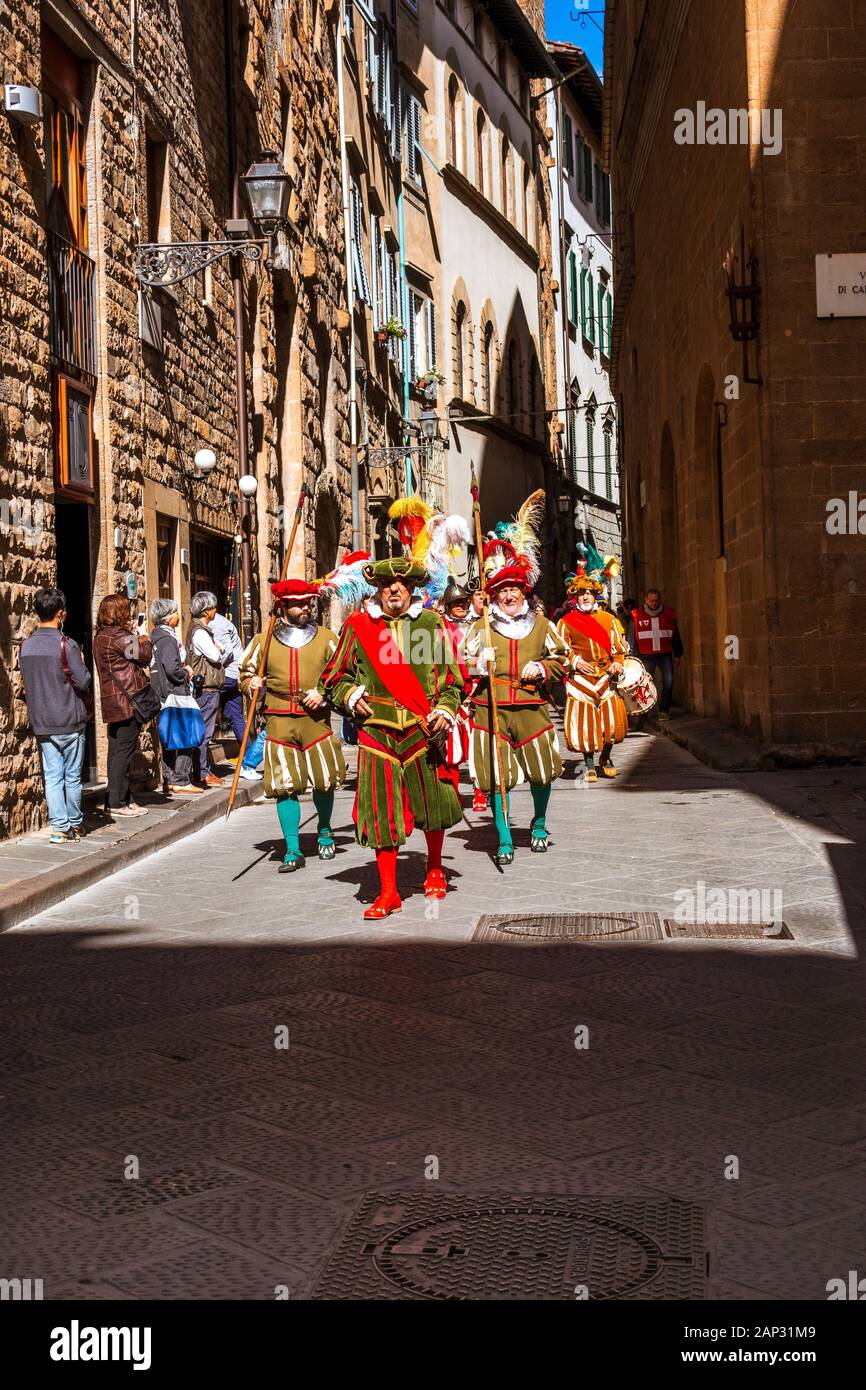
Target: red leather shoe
(479,801)
(383,907)
(435,885)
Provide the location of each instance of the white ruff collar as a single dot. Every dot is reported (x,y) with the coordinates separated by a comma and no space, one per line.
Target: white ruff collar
(295,636)
(517,627)
(375,609)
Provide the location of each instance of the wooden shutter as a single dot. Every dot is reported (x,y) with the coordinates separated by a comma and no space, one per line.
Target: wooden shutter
(572,287)
(430,309)
(374,270)
(587,173)
(359,266)
(397,119)
(600,302)
(73,437)
(567,142)
(583,275)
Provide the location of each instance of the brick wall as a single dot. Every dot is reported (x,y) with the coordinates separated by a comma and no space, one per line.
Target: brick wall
(785,590)
(152,411)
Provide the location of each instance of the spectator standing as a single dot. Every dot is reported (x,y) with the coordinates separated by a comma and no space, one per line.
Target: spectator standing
(231,701)
(122,657)
(170,675)
(653,635)
(208,661)
(56,681)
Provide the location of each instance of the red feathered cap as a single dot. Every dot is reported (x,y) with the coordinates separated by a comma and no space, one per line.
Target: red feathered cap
(510,574)
(352,557)
(297,590)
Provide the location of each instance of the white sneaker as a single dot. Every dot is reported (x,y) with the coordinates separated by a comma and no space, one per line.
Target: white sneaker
(249,775)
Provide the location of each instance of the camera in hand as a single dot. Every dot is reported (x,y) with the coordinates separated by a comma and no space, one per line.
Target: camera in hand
(197,684)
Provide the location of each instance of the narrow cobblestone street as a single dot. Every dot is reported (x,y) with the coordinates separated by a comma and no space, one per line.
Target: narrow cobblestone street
(694,1106)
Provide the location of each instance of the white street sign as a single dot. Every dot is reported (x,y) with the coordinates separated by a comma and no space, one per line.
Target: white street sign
(840,282)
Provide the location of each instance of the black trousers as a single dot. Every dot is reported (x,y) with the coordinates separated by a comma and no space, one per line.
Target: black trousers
(122,743)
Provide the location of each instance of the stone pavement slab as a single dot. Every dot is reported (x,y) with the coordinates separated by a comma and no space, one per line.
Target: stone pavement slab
(712,1083)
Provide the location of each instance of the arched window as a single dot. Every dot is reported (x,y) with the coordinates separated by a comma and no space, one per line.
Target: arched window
(460,351)
(455,116)
(481,153)
(487,366)
(512,385)
(528,210)
(506,184)
(534,420)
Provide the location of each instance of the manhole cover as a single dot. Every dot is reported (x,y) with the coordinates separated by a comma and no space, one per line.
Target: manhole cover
(729,931)
(550,928)
(568,926)
(407,1246)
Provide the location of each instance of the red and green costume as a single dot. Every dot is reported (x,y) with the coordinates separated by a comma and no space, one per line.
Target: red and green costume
(406,669)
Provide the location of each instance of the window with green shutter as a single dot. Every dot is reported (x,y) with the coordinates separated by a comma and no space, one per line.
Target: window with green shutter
(579,170)
(572,289)
(586,191)
(600,302)
(567,142)
(608,320)
(590,452)
(583,275)
(589,321)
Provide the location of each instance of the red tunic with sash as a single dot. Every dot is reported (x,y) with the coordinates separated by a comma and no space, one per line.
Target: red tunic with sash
(594,713)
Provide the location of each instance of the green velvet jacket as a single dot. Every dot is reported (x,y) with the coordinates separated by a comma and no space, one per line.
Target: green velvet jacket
(424,642)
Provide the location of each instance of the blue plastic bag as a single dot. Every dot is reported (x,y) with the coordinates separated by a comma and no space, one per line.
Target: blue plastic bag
(180,723)
(255,754)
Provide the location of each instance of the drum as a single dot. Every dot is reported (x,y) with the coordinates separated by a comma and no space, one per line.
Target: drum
(636,687)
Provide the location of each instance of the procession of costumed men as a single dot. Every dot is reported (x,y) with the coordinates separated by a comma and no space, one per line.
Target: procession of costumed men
(426,667)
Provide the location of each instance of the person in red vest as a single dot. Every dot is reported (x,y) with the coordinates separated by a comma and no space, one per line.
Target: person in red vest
(653,636)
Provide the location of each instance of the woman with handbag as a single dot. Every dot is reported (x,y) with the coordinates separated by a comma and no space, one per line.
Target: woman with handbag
(180,725)
(128,701)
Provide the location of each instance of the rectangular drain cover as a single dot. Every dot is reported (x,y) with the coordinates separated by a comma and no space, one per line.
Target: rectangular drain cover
(528,928)
(729,931)
(409,1245)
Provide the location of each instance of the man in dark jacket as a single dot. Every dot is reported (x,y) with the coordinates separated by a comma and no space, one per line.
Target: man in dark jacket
(55,681)
(169,674)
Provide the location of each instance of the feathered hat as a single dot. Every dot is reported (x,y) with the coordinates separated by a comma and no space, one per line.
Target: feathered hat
(411,515)
(347,582)
(511,554)
(600,567)
(581,583)
(433,541)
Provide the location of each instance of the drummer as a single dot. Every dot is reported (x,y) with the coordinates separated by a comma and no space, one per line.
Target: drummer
(595,715)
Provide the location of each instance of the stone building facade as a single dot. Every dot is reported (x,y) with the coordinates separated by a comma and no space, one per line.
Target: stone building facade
(739,460)
(108,391)
(583,266)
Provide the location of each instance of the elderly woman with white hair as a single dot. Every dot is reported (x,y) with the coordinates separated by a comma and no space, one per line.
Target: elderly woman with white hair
(169,674)
(208,660)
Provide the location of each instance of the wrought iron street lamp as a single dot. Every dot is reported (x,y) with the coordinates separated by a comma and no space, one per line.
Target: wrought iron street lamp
(160,264)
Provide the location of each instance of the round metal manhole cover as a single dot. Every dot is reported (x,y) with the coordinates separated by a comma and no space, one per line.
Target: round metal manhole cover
(531,1251)
(552,929)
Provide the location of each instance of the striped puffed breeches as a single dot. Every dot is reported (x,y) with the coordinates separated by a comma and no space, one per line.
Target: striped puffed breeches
(530,749)
(594,713)
(399,788)
(301,753)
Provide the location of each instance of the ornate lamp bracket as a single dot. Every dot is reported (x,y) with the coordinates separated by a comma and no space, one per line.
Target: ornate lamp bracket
(162,264)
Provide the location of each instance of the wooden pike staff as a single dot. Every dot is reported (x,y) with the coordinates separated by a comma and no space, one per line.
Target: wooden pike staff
(495,746)
(266,646)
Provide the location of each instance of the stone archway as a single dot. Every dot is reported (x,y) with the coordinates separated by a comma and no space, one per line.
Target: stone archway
(326,537)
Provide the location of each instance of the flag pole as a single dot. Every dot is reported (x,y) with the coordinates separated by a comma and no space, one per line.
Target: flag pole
(266,646)
(496,745)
